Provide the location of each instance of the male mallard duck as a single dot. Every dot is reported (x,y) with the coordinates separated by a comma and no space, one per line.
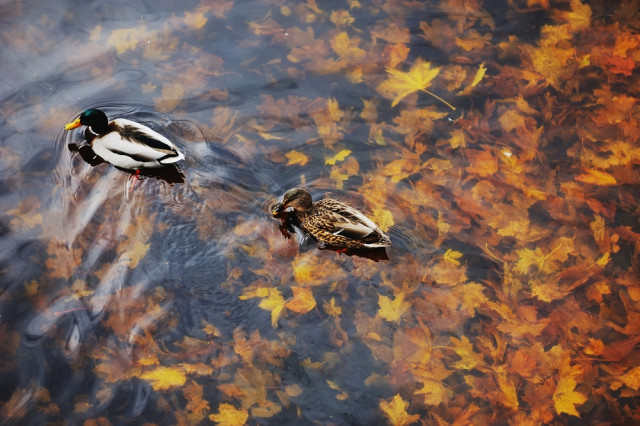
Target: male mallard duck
(125,143)
(332,222)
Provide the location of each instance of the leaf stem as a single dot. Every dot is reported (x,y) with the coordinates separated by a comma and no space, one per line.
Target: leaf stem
(439,98)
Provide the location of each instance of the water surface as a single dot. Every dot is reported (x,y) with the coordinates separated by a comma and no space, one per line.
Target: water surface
(509,294)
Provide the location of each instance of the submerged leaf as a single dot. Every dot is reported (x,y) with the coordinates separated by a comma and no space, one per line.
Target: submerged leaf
(565,398)
(396,411)
(338,157)
(228,415)
(164,378)
(392,310)
(303,300)
(296,158)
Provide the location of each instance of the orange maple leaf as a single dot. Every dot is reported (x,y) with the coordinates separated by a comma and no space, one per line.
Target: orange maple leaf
(401,84)
(632,378)
(302,301)
(482,162)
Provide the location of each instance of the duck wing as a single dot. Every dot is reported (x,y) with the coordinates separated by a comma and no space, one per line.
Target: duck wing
(139,142)
(343,222)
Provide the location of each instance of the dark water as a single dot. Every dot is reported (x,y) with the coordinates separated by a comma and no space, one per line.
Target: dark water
(103,285)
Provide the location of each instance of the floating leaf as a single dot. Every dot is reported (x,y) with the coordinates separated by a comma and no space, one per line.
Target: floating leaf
(274,303)
(401,84)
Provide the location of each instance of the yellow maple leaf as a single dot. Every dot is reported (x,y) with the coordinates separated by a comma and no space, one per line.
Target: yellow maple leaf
(95,33)
(481,162)
(293,390)
(341,18)
(124,39)
(452,256)
(331,308)
(194,21)
(510,396)
(163,378)
(511,119)
(401,168)
(392,310)
(31,288)
(401,84)
(528,257)
(310,270)
(274,303)
(211,329)
(302,301)
(171,97)
(596,177)
(598,228)
(296,158)
(132,256)
(469,358)
(148,87)
(604,259)
(476,79)
(471,296)
(396,411)
(347,47)
(565,397)
(547,291)
(26,214)
(632,378)
(338,157)
(434,392)
(383,218)
(199,369)
(228,415)
(580,16)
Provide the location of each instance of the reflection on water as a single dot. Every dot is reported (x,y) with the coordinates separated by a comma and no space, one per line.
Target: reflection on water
(509,294)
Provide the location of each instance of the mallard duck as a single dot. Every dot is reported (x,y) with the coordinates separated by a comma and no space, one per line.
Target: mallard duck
(125,143)
(331,222)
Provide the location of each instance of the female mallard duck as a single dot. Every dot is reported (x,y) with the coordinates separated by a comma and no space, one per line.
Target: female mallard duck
(332,222)
(125,143)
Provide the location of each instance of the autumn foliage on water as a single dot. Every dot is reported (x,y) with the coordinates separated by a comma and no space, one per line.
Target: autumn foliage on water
(505,170)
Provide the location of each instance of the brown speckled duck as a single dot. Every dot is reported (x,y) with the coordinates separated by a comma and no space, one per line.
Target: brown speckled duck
(331,222)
